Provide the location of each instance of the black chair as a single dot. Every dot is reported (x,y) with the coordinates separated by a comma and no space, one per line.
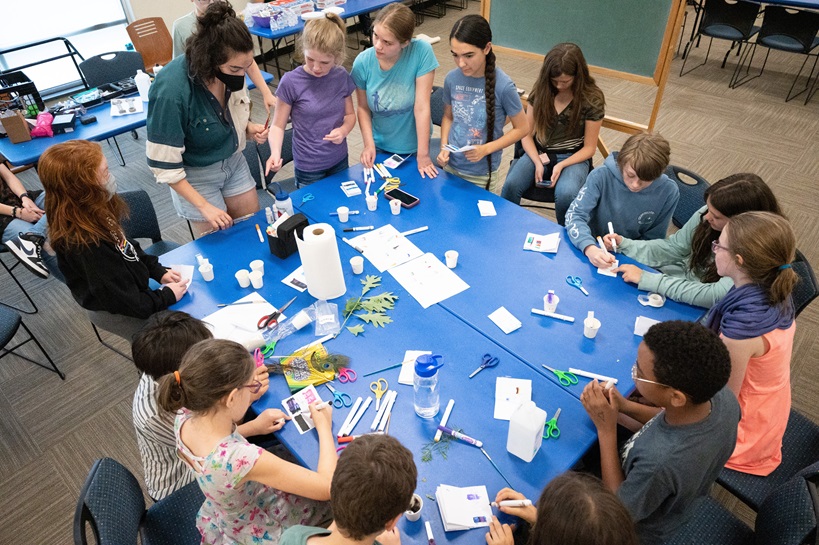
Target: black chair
(724,20)
(111,504)
(544,195)
(692,195)
(109,68)
(789,31)
(436,108)
(800,448)
(10,323)
(806,290)
(142,223)
(10,269)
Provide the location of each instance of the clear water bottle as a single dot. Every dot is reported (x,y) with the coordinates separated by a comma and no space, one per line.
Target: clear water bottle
(425,385)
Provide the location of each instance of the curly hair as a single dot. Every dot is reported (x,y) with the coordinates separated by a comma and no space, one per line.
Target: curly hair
(219,35)
(80,210)
(732,195)
(689,357)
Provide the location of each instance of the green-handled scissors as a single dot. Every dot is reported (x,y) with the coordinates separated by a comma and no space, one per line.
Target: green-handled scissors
(564,378)
(552,431)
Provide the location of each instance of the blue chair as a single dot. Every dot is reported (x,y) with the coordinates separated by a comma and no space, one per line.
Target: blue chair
(713,524)
(111,504)
(692,196)
(800,447)
(10,323)
(142,222)
(10,269)
(806,290)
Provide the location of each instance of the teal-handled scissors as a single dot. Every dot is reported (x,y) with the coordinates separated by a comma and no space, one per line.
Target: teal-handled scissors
(552,431)
(307,198)
(488,361)
(379,388)
(564,378)
(577,282)
(340,399)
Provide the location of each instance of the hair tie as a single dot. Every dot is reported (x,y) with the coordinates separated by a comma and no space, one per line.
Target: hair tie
(177,377)
(785,266)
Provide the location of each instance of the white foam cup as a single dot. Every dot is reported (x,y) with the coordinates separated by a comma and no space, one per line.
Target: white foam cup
(243,277)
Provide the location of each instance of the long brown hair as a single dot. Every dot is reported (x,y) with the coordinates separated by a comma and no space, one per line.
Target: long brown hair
(767,245)
(563,59)
(732,195)
(80,211)
(398,19)
(219,34)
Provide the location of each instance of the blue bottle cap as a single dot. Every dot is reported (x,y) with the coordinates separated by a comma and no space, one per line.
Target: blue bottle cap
(281,194)
(427,365)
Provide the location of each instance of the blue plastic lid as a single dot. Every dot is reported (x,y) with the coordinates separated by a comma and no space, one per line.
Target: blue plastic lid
(427,365)
(281,194)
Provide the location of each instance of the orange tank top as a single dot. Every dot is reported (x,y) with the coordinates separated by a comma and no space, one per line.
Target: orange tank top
(765,400)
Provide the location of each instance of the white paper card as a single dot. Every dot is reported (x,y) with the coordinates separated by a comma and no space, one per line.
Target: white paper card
(296,280)
(504,320)
(297,407)
(510,393)
(408,366)
(641,325)
(386,248)
(486,208)
(542,243)
(608,271)
(463,508)
(428,280)
(186,271)
(238,322)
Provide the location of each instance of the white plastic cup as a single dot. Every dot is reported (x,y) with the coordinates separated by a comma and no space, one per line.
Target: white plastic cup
(357,263)
(206,271)
(300,320)
(451,259)
(343,214)
(257,279)
(257,265)
(591,326)
(414,512)
(243,277)
(550,307)
(372,203)
(395,207)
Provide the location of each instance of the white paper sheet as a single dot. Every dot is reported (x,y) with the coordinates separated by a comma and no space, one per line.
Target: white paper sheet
(542,243)
(186,271)
(428,280)
(463,508)
(238,322)
(386,248)
(408,367)
(296,280)
(297,407)
(641,325)
(504,320)
(125,104)
(608,271)
(486,208)
(510,393)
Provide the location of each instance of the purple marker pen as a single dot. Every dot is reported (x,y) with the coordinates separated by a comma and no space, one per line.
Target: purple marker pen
(430,537)
(461,436)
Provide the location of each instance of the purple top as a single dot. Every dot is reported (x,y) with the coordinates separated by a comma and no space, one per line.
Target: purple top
(317,107)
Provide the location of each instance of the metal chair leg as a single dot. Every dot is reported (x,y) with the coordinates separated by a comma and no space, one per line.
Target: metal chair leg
(108,346)
(119,151)
(6,351)
(30,300)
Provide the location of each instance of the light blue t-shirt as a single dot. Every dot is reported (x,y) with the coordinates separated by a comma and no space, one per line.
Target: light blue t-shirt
(467,97)
(391,94)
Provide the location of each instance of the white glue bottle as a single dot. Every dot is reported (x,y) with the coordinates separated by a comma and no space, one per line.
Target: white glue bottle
(283,202)
(526,431)
(143,83)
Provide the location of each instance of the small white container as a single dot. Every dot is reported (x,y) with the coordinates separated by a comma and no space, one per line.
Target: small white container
(591,326)
(257,279)
(243,277)
(257,265)
(451,257)
(526,431)
(357,263)
(372,203)
(414,512)
(143,83)
(395,207)
(343,214)
(550,301)
(206,271)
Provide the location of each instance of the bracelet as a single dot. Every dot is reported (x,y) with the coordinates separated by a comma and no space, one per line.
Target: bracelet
(14,210)
(24,195)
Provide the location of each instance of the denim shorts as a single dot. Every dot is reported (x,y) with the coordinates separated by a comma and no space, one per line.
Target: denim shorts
(215,182)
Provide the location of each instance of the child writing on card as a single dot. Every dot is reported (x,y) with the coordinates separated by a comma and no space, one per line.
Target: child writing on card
(157,350)
(573,509)
(473,116)
(318,98)
(371,489)
(756,322)
(682,368)
(251,495)
(629,190)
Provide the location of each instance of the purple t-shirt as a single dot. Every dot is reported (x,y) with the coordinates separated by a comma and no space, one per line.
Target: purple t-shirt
(317,107)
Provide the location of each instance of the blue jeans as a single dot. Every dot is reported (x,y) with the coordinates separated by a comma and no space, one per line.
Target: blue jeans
(306,178)
(17,226)
(521,177)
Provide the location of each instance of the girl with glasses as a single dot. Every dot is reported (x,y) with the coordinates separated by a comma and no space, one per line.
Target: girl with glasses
(251,495)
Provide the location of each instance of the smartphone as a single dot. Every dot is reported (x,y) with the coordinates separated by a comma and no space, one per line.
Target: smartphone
(394,161)
(407,200)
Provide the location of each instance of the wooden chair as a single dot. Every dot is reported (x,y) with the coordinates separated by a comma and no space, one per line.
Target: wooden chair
(150,37)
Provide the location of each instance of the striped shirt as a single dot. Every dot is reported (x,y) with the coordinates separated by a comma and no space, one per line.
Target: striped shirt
(164,471)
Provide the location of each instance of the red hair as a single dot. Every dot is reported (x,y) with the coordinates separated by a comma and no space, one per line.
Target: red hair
(79,208)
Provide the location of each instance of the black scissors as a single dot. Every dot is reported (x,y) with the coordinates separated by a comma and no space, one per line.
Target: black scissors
(273,318)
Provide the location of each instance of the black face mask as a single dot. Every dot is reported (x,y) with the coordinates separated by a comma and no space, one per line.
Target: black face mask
(233,83)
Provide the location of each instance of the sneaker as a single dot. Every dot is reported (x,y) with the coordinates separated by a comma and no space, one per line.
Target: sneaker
(28,247)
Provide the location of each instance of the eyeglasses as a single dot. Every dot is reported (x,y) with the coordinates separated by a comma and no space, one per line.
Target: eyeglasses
(254,387)
(635,370)
(715,245)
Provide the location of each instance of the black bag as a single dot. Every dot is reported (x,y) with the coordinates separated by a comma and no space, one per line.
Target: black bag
(284,244)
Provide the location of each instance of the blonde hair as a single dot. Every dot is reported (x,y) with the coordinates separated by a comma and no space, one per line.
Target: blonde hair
(327,35)
(398,19)
(647,153)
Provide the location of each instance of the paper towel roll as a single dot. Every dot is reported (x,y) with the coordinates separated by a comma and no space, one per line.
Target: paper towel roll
(318,251)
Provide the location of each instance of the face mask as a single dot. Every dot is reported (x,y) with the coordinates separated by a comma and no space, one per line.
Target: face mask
(111,185)
(233,83)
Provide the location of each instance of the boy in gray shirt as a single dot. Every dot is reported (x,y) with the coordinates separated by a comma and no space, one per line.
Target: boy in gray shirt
(670,463)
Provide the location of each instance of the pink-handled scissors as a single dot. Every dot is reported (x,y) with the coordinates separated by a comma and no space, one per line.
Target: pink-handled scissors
(345,375)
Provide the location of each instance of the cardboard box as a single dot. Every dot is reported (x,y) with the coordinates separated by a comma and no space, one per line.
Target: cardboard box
(17,128)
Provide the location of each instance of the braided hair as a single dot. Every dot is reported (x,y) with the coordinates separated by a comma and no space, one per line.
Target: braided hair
(475,30)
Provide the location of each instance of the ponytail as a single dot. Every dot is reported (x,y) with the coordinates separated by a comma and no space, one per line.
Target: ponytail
(489,93)
(783,284)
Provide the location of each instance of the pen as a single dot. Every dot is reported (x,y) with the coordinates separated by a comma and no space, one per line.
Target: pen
(386,417)
(613,243)
(352,424)
(356,248)
(380,189)
(587,374)
(512,503)
(413,231)
(608,385)
(259,232)
(444,419)
(363,228)
(430,537)
(602,245)
(554,315)
(351,213)
(220,305)
(350,416)
(461,436)
(323,405)
(267,123)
